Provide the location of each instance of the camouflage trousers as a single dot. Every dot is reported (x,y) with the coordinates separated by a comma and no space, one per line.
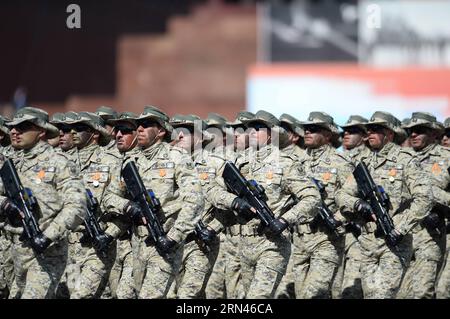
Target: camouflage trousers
(153,274)
(420,278)
(286,288)
(215,286)
(87,271)
(121,277)
(195,269)
(263,263)
(37,276)
(382,267)
(443,283)
(316,259)
(233,287)
(6,266)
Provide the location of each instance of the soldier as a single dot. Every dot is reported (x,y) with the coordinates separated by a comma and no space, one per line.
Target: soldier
(57,187)
(216,128)
(446,137)
(107,114)
(318,250)
(66,143)
(224,280)
(89,267)
(54,142)
(5,141)
(420,278)
(170,173)
(264,252)
(392,167)
(293,144)
(403,125)
(121,277)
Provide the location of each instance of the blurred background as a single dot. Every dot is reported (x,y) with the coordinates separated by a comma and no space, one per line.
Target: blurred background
(201,56)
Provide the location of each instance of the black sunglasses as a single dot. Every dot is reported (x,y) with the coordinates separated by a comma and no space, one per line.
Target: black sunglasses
(81,127)
(65,128)
(418,130)
(189,129)
(146,123)
(447,133)
(375,128)
(313,128)
(123,129)
(24,126)
(353,130)
(258,126)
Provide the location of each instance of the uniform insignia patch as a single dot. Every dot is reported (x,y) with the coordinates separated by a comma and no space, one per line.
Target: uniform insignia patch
(41,174)
(162,172)
(392,172)
(436,169)
(269,175)
(204,176)
(326,176)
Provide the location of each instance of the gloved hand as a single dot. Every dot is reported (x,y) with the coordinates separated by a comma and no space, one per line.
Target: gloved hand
(243,208)
(132,209)
(102,242)
(393,238)
(206,235)
(278,226)
(432,221)
(11,211)
(363,207)
(165,244)
(40,243)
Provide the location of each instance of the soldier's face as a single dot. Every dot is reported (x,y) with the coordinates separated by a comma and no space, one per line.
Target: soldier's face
(259,135)
(420,137)
(126,136)
(26,135)
(241,139)
(149,132)
(83,135)
(378,136)
(65,137)
(54,142)
(353,137)
(217,135)
(186,138)
(316,136)
(446,139)
(111,131)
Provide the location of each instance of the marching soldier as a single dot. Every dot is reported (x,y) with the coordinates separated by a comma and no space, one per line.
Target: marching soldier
(107,114)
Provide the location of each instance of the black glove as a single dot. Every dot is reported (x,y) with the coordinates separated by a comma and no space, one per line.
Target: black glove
(278,226)
(206,235)
(393,238)
(40,243)
(132,209)
(11,211)
(363,207)
(432,221)
(243,208)
(102,242)
(165,244)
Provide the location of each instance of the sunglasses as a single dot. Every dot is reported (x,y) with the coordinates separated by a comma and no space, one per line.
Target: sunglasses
(353,130)
(447,133)
(147,123)
(24,126)
(124,129)
(189,129)
(375,128)
(313,128)
(64,128)
(81,127)
(258,126)
(418,130)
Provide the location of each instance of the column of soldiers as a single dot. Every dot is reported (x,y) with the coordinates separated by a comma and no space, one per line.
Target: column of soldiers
(215,243)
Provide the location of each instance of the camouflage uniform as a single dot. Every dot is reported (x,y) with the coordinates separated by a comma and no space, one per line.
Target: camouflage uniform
(263,256)
(49,175)
(170,173)
(88,270)
(420,278)
(392,167)
(107,114)
(317,251)
(347,284)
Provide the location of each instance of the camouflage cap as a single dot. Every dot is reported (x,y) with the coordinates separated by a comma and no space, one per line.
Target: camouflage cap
(153,112)
(57,118)
(293,123)
(384,119)
(216,120)
(321,119)
(107,113)
(36,116)
(129,117)
(264,117)
(241,117)
(195,121)
(356,120)
(95,122)
(3,128)
(423,119)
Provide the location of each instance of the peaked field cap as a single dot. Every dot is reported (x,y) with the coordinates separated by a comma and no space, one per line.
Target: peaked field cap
(384,119)
(95,122)
(356,120)
(321,119)
(264,117)
(423,119)
(36,116)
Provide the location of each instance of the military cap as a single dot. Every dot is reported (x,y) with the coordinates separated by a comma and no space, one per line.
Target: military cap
(293,123)
(95,122)
(321,119)
(423,119)
(36,116)
(154,113)
(57,118)
(356,120)
(3,128)
(384,119)
(240,118)
(216,120)
(124,117)
(107,113)
(447,123)
(191,120)
(263,117)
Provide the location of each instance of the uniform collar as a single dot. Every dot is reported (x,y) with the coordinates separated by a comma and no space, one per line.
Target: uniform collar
(317,153)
